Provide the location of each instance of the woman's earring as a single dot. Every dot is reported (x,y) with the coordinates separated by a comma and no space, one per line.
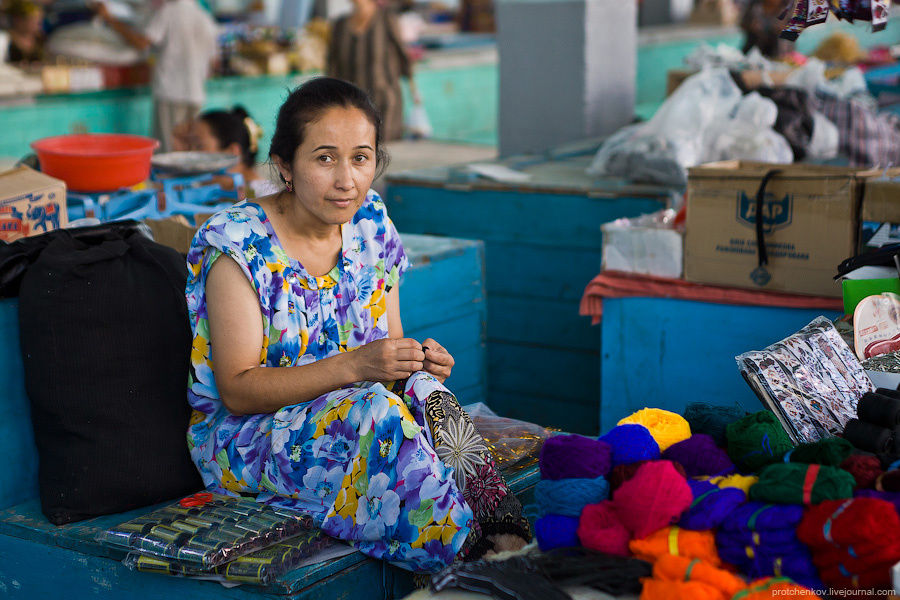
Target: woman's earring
(289,185)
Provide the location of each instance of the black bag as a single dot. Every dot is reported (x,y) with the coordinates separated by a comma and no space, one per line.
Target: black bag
(106,347)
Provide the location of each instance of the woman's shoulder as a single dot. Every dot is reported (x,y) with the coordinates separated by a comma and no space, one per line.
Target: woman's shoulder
(234,227)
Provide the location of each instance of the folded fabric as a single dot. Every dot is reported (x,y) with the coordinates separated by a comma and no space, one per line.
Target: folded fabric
(869,437)
(799,483)
(677,542)
(711,505)
(878,408)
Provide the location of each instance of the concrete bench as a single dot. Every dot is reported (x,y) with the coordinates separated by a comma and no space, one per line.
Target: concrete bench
(442,297)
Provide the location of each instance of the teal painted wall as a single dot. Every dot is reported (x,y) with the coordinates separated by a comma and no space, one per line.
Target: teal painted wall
(461,100)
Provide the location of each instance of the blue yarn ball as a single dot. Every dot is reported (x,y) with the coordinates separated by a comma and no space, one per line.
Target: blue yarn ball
(568,496)
(711,505)
(631,443)
(556,531)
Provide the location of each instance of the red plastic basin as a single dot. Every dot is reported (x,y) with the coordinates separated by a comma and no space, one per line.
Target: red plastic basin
(96,162)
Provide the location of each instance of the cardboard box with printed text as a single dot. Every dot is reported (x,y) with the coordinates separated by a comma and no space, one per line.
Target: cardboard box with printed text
(810,225)
(31,203)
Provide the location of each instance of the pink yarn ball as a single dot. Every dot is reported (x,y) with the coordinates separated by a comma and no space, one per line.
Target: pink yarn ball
(654,498)
(600,529)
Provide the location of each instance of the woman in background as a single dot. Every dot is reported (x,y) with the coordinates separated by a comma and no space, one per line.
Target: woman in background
(232,132)
(26,34)
(366,50)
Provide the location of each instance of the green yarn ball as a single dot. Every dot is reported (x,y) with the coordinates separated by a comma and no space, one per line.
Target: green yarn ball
(782,483)
(832,452)
(757,440)
(711,419)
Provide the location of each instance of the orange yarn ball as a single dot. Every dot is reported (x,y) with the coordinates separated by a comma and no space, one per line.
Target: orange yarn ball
(677,542)
(774,588)
(684,569)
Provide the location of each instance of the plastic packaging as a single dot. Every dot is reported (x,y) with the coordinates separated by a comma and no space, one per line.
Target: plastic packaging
(825,138)
(207,529)
(811,381)
(511,442)
(418,123)
(697,124)
(261,567)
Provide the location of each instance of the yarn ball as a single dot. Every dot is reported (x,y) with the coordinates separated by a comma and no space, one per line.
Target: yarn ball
(888,481)
(712,420)
(831,452)
(892,497)
(623,473)
(682,568)
(569,496)
(757,440)
(667,589)
(710,506)
(741,482)
(666,427)
(772,588)
(600,529)
(699,455)
(798,483)
(556,531)
(677,541)
(759,517)
(794,561)
(574,456)
(852,522)
(630,443)
(655,497)
(876,578)
(864,468)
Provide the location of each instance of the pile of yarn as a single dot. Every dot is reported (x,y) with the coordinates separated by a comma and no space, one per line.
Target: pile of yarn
(761,540)
(799,483)
(680,577)
(854,542)
(711,505)
(573,469)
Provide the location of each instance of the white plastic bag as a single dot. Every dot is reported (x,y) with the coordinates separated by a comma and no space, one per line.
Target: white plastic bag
(748,135)
(649,245)
(418,124)
(825,140)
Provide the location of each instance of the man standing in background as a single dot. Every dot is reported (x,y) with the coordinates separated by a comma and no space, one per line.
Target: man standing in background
(183,36)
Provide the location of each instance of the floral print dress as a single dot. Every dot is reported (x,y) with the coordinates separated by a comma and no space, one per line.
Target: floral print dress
(377,464)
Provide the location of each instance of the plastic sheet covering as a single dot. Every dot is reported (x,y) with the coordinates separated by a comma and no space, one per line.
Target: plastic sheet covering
(811,381)
(207,530)
(261,567)
(513,443)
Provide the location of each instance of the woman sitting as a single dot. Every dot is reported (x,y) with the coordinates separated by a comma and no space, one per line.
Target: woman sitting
(305,392)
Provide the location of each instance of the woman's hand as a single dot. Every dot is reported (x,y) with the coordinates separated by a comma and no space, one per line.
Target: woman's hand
(438,361)
(388,359)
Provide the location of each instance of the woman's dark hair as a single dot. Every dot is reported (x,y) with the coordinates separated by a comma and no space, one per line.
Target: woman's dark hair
(231,127)
(307,103)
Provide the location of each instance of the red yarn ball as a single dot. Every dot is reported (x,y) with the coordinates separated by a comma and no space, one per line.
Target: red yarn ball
(622,473)
(600,529)
(655,497)
(865,469)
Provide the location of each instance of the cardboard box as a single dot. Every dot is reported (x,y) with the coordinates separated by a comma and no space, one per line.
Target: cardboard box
(880,214)
(175,231)
(809,217)
(31,203)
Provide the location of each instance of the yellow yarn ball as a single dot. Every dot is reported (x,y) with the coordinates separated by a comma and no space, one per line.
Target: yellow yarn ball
(742,482)
(666,427)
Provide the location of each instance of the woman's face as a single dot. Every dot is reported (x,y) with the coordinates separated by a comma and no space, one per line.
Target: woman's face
(335,165)
(204,140)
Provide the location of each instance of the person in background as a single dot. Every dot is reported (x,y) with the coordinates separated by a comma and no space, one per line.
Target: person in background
(26,34)
(366,50)
(184,38)
(762,28)
(232,132)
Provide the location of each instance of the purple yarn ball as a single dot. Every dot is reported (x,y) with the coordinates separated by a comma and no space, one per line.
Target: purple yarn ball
(556,531)
(699,455)
(574,456)
(765,517)
(630,443)
(711,505)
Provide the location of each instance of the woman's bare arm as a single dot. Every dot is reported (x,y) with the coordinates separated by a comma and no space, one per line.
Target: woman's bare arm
(236,338)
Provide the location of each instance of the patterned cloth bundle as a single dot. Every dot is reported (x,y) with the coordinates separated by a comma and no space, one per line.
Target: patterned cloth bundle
(811,381)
